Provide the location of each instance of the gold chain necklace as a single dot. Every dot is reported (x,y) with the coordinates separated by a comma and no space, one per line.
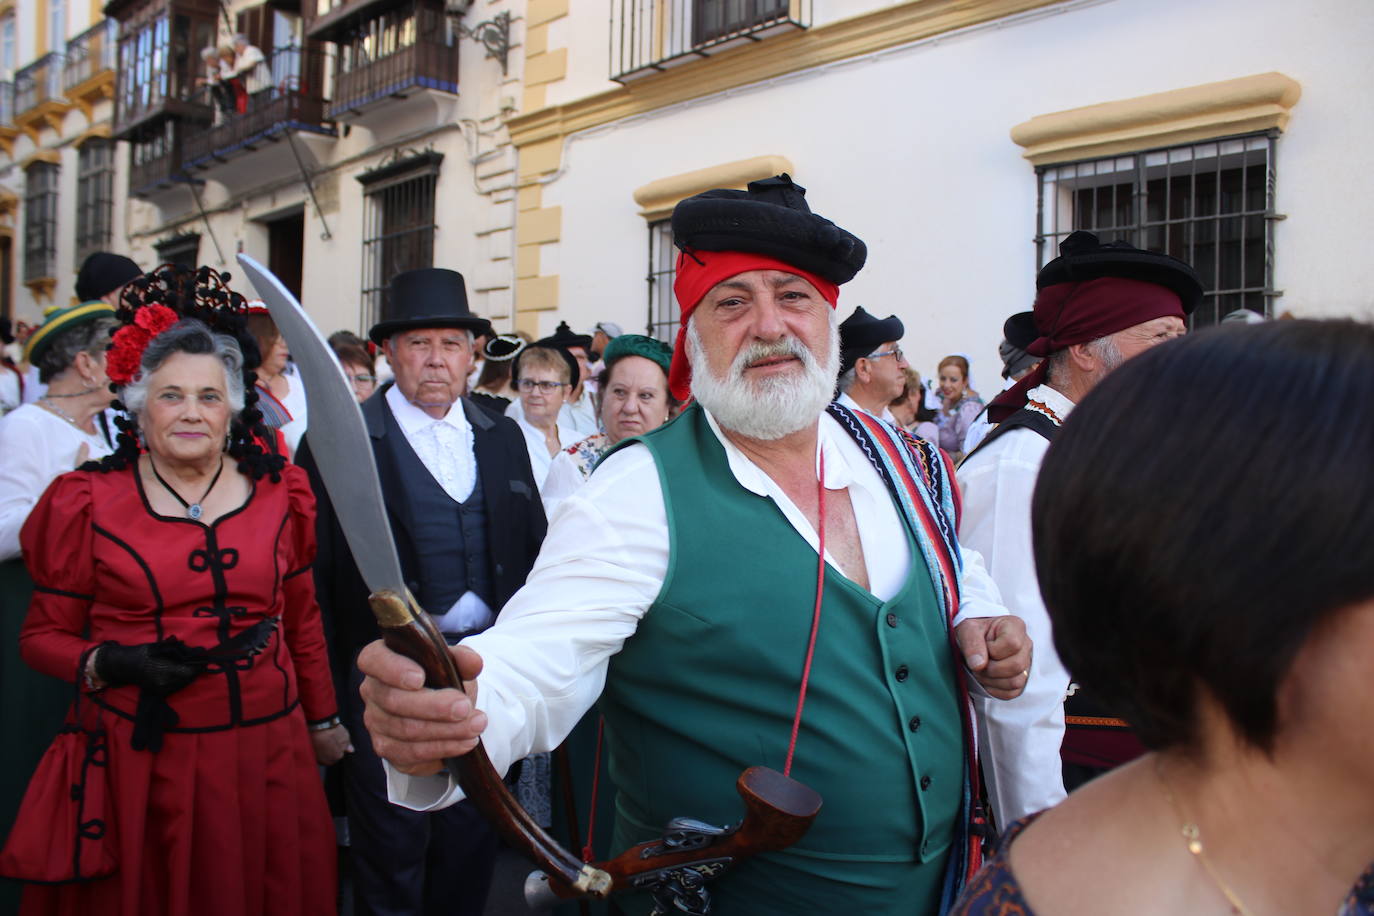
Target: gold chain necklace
(1192,837)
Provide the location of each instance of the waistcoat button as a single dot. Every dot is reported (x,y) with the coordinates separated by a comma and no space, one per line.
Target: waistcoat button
(902,673)
(892,620)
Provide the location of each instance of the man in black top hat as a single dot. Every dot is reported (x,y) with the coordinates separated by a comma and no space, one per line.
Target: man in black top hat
(468,523)
(1096,306)
(871,363)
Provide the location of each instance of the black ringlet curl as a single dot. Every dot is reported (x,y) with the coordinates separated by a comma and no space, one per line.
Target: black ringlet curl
(204,294)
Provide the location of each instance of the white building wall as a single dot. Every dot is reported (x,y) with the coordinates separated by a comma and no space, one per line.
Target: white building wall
(910,150)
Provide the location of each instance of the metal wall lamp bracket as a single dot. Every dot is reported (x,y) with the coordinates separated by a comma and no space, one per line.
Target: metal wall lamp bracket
(493,34)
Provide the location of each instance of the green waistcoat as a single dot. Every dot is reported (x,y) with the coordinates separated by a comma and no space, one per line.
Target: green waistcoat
(708,687)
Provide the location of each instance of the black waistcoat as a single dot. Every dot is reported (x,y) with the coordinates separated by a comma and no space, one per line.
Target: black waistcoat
(450,537)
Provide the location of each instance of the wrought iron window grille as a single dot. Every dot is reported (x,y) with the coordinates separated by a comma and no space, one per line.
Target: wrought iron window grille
(398,221)
(1210,204)
(652,36)
(663,312)
(94,197)
(40,221)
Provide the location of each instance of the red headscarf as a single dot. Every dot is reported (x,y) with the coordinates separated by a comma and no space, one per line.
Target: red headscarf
(697,273)
(1072,313)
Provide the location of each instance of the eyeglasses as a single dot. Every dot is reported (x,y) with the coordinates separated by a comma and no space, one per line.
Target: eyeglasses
(895,351)
(363,379)
(529,384)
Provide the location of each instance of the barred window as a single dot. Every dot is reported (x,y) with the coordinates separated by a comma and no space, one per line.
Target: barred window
(1210,204)
(713,19)
(182,250)
(398,223)
(663,313)
(40,221)
(94,197)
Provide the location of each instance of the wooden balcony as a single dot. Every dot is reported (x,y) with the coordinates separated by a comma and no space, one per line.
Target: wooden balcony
(159,69)
(88,75)
(423,65)
(38,98)
(287,93)
(653,36)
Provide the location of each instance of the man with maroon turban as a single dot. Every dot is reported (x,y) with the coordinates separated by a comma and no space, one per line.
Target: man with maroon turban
(1096,306)
(767,580)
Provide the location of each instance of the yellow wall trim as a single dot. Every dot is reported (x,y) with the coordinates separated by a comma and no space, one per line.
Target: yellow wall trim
(101,131)
(536,294)
(538,12)
(775,56)
(536,227)
(44,155)
(1237,106)
(657,198)
(6,8)
(546,68)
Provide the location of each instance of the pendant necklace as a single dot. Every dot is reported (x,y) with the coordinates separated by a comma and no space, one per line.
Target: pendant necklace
(1192,838)
(193,510)
(52,408)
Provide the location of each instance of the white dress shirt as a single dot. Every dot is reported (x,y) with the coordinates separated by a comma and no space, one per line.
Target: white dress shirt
(444,447)
(603,564)
(1019,738)
(844,400)
(540,459)
(37,446)
(579,417)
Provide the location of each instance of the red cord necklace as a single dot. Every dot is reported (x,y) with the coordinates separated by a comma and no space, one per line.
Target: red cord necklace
(815,615)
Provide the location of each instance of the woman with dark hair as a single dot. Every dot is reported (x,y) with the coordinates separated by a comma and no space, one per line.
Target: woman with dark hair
(494,390)
(281,395)
(1218,587)
(359,365)
(173,589)
(634,400)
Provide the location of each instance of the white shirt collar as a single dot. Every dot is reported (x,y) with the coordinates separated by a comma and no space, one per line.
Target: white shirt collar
(1052,399)
(412,419)
(838,474)
(846,401)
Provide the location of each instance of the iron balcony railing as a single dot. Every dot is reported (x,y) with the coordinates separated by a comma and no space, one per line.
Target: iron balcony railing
(39,82)
(6,102)
(93,51)
(649,36)
(405,48)
(285,91)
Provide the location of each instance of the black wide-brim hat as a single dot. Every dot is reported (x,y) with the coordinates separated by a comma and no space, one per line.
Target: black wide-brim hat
(861,334)
(564,337)
(1083,257)
(771,218)
(430,297)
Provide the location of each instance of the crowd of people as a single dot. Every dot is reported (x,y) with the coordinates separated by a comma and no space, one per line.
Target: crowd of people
(1061,649)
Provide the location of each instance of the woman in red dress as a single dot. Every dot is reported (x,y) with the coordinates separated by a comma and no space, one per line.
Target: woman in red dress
(176,585)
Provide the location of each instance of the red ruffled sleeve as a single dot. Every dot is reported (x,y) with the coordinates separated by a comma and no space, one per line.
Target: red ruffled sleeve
(304,630)
(57,542)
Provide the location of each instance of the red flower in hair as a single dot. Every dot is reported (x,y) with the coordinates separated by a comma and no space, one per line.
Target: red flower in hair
(129,342)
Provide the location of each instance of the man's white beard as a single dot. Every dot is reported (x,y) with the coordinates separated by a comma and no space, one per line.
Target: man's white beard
(773,406)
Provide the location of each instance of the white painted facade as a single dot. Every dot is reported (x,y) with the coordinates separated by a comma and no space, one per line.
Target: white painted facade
(910,149)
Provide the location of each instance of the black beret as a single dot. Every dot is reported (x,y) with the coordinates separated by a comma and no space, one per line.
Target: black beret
(563,336)
(861,334)
(1019,330)
(103,272)
(771,218)
(1083,257)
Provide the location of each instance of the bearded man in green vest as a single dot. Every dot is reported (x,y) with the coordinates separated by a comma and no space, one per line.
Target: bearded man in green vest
(767,580)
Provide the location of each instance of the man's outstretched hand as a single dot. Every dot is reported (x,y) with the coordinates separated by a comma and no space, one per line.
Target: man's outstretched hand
(411,726)
(997,651)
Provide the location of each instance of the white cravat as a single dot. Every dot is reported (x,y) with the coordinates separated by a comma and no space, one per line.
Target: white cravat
(443,446)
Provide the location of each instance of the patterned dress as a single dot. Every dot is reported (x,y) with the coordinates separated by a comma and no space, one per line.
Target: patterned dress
(994,891)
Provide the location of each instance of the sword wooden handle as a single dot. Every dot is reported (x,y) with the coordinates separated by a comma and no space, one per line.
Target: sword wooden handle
(409,631)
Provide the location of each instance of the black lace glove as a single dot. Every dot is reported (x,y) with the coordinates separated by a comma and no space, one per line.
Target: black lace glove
(161,668)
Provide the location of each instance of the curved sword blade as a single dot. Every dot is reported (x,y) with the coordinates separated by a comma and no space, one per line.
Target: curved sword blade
(338,435)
